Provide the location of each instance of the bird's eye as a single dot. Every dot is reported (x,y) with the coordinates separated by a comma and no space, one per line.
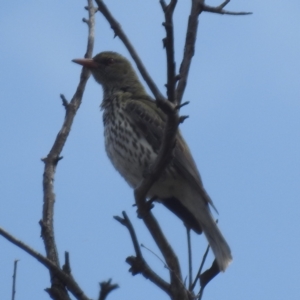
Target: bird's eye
(109,61)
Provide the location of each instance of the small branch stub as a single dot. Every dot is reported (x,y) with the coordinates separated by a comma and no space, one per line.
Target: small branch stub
(106,287)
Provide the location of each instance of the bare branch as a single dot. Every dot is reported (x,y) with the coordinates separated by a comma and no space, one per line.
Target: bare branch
(219,10)
(156,169)
(14,280)
(201,267)
(106,287)
(138,263)
(51,266)
(54,155)
(67,267)
(222,5)
(197,7)
(64,100)
(207,276)
(188,234)
(177,289)
(156,255)
(169,45)
(126,222)
(189,48)
(163,4)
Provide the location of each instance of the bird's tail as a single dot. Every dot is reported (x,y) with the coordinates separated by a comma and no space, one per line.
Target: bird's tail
(192,207)
(215,239)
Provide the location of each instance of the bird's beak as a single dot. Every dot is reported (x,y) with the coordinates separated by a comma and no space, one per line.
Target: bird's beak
(86,62)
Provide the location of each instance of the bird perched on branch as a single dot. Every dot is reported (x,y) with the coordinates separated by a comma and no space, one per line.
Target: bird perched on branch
(133,130)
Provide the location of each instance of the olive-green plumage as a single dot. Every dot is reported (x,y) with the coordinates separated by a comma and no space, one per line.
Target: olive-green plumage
(133,129)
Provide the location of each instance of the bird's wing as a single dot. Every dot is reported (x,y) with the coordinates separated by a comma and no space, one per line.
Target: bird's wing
(148,119)
(185,165)
(151,121)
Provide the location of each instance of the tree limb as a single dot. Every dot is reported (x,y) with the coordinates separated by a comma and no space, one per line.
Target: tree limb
(106,287)
(189,48)
(138,263)
(219,10)
(168,42)
(53,157)
(14,280)
(66,279)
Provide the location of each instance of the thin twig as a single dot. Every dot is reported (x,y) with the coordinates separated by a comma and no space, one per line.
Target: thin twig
(125,221)
(138,264)
(188,234)
(14,280)
(197,7)
(67,267)
(189,48)
(201,267)
(207,276)
(64,100)
(165,265)
(157,256)
(219,10)
(169,45)
(170,257)
(51,266)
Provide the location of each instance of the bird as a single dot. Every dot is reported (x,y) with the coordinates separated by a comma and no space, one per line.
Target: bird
(133,133)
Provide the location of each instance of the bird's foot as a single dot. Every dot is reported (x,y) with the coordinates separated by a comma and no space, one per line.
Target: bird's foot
(146,207)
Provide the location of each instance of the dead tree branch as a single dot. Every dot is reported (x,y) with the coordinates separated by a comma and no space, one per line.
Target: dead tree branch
(106,287)
(138,263)
(207,276)
(219,10)
(168,43)
(189,48)
(53,157)
(200,268)
(13,293)
(64,278)
(198,6)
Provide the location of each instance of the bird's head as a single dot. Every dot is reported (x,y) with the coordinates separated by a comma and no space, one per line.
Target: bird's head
(113,71)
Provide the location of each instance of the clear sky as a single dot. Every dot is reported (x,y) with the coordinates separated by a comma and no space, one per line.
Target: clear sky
(243,130)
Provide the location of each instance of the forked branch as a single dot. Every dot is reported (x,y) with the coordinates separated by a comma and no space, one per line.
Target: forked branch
(64,278)
(219,10)
(138,263)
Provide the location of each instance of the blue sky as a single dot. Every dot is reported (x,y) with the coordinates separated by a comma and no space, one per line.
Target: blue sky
(243,131)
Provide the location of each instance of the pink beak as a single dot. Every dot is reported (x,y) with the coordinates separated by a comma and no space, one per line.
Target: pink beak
(86,62)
